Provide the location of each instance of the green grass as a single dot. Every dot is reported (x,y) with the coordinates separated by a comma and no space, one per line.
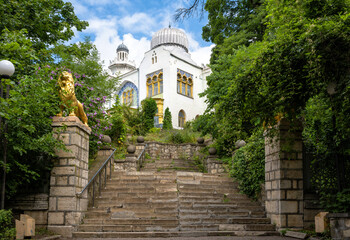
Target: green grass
(173,136)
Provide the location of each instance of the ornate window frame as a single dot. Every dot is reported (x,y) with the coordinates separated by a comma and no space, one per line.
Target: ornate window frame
(154,83)
(184,83)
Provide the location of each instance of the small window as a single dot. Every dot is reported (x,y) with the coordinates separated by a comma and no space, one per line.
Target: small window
(182,118)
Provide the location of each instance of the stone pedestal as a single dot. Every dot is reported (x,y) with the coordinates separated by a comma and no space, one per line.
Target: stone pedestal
(213,165)
(284,177)
(68,176)
(130,164)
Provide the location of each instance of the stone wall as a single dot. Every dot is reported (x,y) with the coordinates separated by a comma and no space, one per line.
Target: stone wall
(35,205)
(68,176)
(213,165)
(172,151)
(284,177)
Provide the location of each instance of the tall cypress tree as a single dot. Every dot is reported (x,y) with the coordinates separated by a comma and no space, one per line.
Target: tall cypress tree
(167,123)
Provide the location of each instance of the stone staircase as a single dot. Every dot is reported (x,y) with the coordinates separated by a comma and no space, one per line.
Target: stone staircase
(161,201)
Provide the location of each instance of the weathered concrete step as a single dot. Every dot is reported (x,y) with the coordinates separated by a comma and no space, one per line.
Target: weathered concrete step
(136,206)
(199,227)
(139,182)
(214,200)
(131,214)
(122,195)
(119,175)
(170,234)
(132,221)
(247,227)
(139,189)
(127,228)
(220,215)
(232,220)
(141,199)
(208,187)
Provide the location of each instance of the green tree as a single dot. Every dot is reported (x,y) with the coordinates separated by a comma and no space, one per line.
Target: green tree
(149,109)
(167,122)
(46,22)
(285,73)
(43,24)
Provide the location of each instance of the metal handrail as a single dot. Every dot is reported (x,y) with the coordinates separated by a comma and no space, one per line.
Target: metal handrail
(93,179)
(141,158)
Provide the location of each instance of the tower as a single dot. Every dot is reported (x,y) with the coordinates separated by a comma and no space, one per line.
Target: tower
(121,63)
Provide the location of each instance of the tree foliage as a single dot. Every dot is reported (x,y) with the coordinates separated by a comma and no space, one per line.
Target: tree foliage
(167,122)
(276,59)
(32,36)
(149,109)
(44,22)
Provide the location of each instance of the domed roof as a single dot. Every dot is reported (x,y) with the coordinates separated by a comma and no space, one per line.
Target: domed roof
(170,36)
(122,47)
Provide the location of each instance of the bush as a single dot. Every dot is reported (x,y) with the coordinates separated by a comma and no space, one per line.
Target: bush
(167,123)
(7,231)
(154,130)
(118,128)
(248,166)
(181,136)
(149,109)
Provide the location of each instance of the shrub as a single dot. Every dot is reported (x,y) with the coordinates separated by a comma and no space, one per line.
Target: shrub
(118,127)
(149,109)
(181,136)
(248,166)
(167,123)
(154,130)
(7,231)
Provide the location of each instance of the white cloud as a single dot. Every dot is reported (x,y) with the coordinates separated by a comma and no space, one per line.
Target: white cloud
(137,47)
(202,54)
(138,22)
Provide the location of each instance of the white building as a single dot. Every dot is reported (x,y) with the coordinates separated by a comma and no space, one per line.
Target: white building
(167,73)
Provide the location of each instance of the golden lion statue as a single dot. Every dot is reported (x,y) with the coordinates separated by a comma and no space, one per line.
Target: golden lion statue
(67,95)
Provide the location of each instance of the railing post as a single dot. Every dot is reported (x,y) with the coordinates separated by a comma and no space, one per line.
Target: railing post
(99,184)
(110,169)
(105,176)
(93,194)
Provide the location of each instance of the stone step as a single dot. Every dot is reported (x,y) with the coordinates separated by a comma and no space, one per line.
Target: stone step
(145,205)
(220,215)
(247,227)
(86,235)
(232,220)
(132,221)
(122,195)
(140,199)
(127,228)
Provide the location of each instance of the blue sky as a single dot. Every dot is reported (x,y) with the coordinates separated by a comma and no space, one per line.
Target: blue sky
(133,22)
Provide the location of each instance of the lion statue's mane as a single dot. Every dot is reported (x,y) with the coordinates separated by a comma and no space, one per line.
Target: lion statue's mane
(67,95)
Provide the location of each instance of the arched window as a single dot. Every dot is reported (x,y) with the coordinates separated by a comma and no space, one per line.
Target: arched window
(182,118)
(154,84)
(184,84)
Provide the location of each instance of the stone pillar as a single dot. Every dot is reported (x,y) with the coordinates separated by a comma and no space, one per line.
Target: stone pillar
(284,177)
(212,164)
(130,164)
(68,176)
(140,145)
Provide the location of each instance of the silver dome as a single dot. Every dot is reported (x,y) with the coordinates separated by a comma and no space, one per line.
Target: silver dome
(122,47)
(170,36)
